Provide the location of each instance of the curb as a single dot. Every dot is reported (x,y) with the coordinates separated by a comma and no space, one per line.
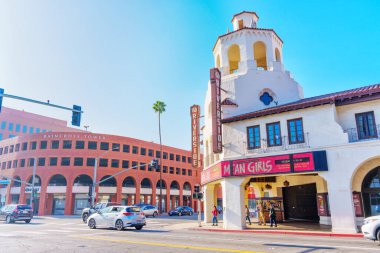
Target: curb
(282,232)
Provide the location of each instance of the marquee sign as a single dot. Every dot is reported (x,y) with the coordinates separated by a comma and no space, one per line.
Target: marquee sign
(195,142)
(211,174)
(291,163)
(216,110)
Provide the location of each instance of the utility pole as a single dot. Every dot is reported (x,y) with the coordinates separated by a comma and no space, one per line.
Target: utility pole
(33,179)
(94,183)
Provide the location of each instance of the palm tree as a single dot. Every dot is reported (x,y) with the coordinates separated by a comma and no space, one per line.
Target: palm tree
(159,107)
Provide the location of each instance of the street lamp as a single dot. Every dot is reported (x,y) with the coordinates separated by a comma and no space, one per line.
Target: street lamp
(95,170)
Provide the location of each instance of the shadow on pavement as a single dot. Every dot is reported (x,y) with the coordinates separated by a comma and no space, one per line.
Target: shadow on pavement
(133,230)
(307,248)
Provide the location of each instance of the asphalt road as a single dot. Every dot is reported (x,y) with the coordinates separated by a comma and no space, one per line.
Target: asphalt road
(166,234)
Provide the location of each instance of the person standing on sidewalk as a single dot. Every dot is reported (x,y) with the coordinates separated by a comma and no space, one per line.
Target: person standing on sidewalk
(272,216)
(260,210)
(247,214)
(215,216)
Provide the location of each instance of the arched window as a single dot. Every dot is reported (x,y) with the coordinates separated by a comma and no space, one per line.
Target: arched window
(174,185)
(37,180)
(234,58)
(260,55)
(83,180)
(16,183)
(218,61)
(145,183)
(163,184)
(57,180)
(187,186)
(277,54)
(371,192)
(111,182)
(129,182)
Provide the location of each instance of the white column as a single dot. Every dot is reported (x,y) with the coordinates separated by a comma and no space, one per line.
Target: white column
(341,206)
(233,203)
(208,202)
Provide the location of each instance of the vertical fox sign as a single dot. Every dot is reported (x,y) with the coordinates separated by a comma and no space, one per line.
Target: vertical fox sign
(195,153)
(216,111)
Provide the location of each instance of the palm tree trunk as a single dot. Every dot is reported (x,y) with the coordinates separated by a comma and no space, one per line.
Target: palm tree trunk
(160,161)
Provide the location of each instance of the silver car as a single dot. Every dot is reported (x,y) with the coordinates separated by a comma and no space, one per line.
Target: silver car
(119,217)
(149,210)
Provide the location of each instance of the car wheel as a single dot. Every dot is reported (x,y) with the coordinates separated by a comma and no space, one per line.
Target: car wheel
(27,221)
(170,214)
(8,219)
(85,217)
(138,227)
(378,235)
(179,214)
(119,225)
(155,214)
(190,213)
(92,223)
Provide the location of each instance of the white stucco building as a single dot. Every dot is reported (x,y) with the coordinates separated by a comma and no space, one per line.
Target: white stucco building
(316,159)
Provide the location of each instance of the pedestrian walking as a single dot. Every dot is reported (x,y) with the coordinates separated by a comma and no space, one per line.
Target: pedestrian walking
(260,210)
(215,216)
(247,214)
(272,216)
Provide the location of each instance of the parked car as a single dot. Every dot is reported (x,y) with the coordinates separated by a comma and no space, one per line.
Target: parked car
(86,212)
(16,212)
(182,210)
(149,210)
(371,228)
(119,217)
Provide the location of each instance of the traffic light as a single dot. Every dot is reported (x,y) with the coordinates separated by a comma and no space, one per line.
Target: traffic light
(75,120)
(200,195)
(1,98)
(90,191)
(154,164)
(196,188)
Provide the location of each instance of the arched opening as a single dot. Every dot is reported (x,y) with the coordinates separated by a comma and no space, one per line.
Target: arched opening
(111,182)
(234,58)
(16,183)
(187,186)
(277,55)
(371,192)
(218,61)
(145,183)
(174,185)
(37,180)
(260,55)
(57,180)
(163,184)
(129,182)
(83,180)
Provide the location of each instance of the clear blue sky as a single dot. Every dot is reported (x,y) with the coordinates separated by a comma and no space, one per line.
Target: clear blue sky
(116,58)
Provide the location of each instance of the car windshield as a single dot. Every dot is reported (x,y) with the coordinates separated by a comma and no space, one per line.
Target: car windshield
(133,209)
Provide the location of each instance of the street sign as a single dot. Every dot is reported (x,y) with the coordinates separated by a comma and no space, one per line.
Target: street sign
(28,189)
(5,182)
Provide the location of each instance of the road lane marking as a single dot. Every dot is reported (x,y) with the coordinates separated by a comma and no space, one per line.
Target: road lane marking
(167,245)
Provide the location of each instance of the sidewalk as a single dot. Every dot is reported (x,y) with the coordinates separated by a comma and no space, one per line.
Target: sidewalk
(286,228)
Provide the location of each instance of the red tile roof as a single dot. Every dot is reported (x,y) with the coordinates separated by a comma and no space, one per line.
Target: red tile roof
(227,101)
(361,94)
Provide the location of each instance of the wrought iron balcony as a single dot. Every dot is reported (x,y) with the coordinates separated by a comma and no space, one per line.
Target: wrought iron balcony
(285,145)
(355,136)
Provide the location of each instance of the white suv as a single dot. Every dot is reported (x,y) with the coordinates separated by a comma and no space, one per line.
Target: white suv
(371,228)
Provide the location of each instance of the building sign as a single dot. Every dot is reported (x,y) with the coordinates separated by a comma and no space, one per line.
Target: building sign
(358,206)
(73,136)
(195,150)
(211,174)
(323,204)
(291,163)
(216,110)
